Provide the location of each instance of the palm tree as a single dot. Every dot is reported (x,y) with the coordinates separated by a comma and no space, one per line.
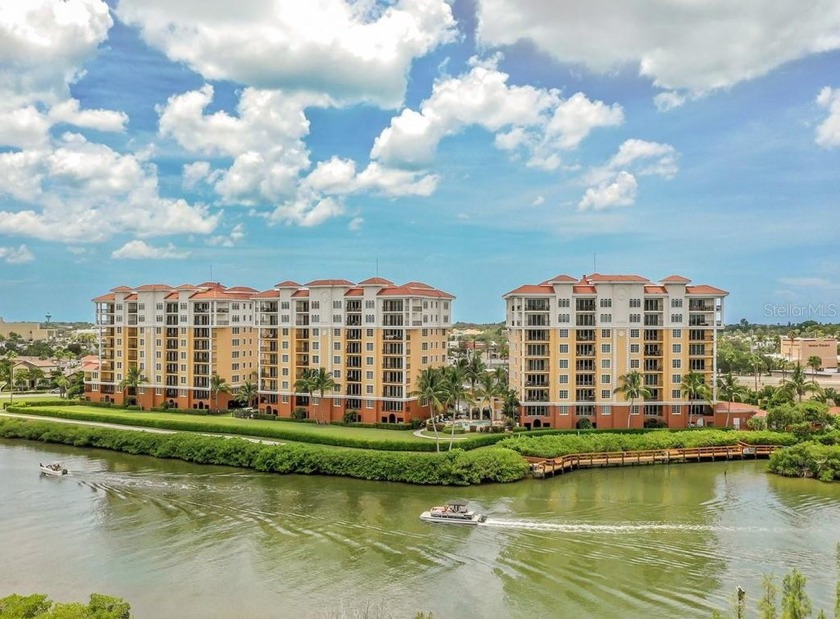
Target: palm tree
(453,386)
(306,384)
(8,371)
(247,393)
(731,391)
(510,405)
(36,375)
(430,388)
(487,390)
(829,393)
(133,379)
(474,369)
(63,383)
(815,363)
(632,388)
(218,385)
(322,381)
(798,383)
(694,386)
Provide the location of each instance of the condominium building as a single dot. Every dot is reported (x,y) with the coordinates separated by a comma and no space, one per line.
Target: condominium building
(373,338)
(571,339)
(178,338)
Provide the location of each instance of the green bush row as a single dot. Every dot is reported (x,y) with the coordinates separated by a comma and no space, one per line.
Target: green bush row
(276,432)
(808,459)
(553,446)
(455,468)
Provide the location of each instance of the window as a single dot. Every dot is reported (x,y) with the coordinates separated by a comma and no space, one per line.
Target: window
(677,348)
(634,333)
(336,360)
(563,394)
(370,304)
(606,318)
(336,345)
(369,404)
(564,302)
(635,302)
(316,333)
(368,360)
(315,305)
(675,393)
(606,379)
(370,332)
(563,333)
(336,304)
(676,317)
(636,318)
(676,364)
(564,349)
(676,302)
(564,364)
(634,410)
(315,345)
(369,389)
(284,358)
(677,333)
(563,379)
(634,364)
(562,318)
(605,364)
(605,394)
(336,373)
(675,409)
(284,344)
(605,333)
(676,379)
(337,332)
(369,375)
(606,302)
(316,359)
(634,349)
(605,348)
(369,346)
(336,317)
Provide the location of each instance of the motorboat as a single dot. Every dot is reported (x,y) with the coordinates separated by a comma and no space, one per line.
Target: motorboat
(53,469)
(453,512)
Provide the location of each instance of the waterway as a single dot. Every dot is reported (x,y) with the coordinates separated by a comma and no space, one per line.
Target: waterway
(181,540)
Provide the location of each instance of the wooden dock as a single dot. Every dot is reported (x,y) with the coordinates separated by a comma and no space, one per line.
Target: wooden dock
(548,467)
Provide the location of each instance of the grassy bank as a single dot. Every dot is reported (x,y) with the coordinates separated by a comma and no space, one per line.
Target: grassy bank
(456,468)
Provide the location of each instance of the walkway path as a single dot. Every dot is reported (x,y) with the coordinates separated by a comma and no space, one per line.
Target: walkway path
(116,426)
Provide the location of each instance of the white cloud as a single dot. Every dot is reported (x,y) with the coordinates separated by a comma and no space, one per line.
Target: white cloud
(810,282)
(355,224)
(44,44)
(139,250)
(80,191)
(620,192)
(231,240)
(338,176)
(538,201)
(195,172)
(681,46)
(536,120)
(353,51)
(828,133)
(16,255)
(23,127)
(307,209)
(103,120)
(669,100)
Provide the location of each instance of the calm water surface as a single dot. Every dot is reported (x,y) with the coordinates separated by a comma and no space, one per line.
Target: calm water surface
(180,540)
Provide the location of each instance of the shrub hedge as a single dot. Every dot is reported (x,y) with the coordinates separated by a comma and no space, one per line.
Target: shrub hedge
(455,468)
(552,446)
(808,459)
(276,432)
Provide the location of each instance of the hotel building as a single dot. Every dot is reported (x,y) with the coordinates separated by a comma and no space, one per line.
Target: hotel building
(800,349)
(571,339)
(373,337)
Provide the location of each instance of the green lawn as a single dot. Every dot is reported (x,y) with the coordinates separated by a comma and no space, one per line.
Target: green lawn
(226,422)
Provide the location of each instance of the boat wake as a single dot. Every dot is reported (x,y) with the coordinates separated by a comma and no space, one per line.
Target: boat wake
(602,529)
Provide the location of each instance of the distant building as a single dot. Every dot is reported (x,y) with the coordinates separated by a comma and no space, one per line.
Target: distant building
(29,331)
(800,349)
(572,339)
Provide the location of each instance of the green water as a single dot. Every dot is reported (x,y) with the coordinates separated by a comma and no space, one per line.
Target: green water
(179,540)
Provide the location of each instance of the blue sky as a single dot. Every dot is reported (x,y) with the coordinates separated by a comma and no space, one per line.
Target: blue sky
(475,145)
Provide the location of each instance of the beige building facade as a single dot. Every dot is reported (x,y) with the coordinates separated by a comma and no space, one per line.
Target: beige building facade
(800,349)
(571,339)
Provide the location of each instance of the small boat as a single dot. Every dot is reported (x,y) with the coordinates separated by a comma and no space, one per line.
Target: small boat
(53,469)
(454,512)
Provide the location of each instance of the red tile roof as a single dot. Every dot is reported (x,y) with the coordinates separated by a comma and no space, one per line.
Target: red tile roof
(300,293)
(417,285)
(131,297)
(210,294)
(531,289)
(329,282)
(655,290)
(171,295)
(675,279)
(705,290)
(105,297)
(739,407)
(185,287)
(598,277)
(376,281)
(579,289)
(287,284)
(354,292)
(267,294)
(414,291)
(121,289)
(242,289)
(213,285)
(154,288)
(560,279)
